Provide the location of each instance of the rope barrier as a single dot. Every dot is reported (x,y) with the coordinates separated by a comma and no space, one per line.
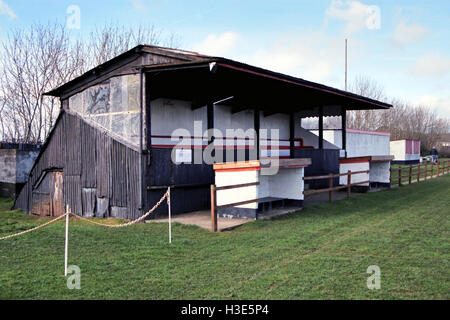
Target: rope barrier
(35,228)
(165,196)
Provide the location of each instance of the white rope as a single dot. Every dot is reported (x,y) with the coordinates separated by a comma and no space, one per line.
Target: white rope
(35,228)
(165,196)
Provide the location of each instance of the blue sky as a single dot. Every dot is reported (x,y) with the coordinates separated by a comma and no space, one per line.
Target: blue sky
(402,44)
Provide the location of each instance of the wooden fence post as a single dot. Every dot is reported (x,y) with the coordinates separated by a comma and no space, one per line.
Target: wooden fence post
(432,169)
(399,177)
(438,164)
(426,171)
(349,183)
(410,174)
(330,185)
(418,173)
(213,208)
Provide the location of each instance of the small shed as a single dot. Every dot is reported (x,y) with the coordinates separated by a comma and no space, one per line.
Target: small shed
(405,151)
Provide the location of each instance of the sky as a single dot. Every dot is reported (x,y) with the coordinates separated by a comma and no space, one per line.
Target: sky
(404,45)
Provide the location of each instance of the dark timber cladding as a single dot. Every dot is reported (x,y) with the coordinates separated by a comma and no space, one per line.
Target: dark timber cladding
(98,172)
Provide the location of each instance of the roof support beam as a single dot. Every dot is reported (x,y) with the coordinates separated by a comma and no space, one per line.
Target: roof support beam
(257,125)
(291,134)
(344,127)
(320,127)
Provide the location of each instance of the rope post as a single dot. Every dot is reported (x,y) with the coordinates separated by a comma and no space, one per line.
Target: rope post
(170,216)
(213,208)
(349,183)
(67,240)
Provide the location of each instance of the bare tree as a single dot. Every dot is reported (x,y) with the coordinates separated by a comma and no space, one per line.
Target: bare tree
(43,57)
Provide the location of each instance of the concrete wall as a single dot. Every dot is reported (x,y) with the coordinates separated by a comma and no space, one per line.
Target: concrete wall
(360,143)
(15,166)
(286,184)
(229,178)
(379,171)
(358,166)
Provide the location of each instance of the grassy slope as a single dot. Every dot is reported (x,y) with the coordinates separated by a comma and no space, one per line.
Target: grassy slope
(321,252)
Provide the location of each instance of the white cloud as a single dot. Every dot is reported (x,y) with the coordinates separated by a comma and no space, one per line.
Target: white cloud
(431,64)
(217,45)
(408,33)
(6,10)
(440,104)
(355,14)
(311,56)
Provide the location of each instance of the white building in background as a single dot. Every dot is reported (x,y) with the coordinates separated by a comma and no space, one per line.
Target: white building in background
(365,151)
(405,151)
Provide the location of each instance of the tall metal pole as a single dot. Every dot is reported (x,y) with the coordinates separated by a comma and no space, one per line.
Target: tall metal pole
(346,64)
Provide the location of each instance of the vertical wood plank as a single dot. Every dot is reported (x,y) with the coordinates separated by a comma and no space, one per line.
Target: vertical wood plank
(213,209)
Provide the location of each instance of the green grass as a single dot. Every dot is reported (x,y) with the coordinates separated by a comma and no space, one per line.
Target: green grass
(321,252)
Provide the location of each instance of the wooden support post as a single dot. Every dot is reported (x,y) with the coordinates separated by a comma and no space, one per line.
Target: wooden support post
(330,185)
(291,135)
(418,173)
(426,171)
(344,127)
(320,127)
(410,174)
(432,164)
(213,208)
(399,177)
(257,124)
(438,165)
(349,183)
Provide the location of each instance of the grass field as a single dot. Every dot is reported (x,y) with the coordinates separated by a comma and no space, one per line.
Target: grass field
(321,252)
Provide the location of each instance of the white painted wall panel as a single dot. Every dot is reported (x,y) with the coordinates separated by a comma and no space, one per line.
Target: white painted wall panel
(379,171)
(359,166)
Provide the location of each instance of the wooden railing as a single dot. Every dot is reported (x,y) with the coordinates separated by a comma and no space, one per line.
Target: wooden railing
(441,169)
(332,188)
(215,207)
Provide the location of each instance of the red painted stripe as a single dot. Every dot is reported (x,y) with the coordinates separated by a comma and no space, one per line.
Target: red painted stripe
(238,169)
